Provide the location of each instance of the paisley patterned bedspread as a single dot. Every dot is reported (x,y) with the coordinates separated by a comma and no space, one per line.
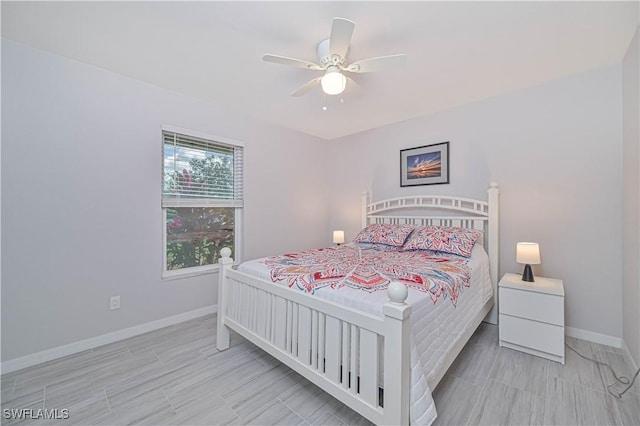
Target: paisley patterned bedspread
(371,269)
(357,276)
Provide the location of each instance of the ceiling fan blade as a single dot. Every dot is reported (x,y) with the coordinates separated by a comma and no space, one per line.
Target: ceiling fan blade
(307,86)
(341,32)
(377,64)
(299,63)
(352,82)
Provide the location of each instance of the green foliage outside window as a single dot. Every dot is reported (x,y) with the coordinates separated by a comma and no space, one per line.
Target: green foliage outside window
(195,235)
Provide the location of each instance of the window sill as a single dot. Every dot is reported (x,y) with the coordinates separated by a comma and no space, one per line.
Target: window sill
(178,275)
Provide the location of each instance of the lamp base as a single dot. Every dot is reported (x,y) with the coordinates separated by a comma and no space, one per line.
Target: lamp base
(527,275)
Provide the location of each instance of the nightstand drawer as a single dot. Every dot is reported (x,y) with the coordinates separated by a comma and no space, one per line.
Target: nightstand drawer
(536,335)
(536,306)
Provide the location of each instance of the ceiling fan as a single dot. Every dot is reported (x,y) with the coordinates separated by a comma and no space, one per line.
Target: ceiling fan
(332,55)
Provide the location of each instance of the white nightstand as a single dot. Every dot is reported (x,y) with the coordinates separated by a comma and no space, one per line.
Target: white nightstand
(532,316)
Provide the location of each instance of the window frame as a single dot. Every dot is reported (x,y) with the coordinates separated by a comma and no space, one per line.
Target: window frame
(238,212)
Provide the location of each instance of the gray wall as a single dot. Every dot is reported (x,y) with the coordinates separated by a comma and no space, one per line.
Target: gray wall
(81,216)
(555,151)
(631,206)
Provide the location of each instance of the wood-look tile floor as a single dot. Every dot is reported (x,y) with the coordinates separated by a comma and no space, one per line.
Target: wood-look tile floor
(176,375)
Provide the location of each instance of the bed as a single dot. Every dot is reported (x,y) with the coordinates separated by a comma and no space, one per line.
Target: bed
(379,347)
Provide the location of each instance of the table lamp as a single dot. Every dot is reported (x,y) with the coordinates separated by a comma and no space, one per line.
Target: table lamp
(528,254)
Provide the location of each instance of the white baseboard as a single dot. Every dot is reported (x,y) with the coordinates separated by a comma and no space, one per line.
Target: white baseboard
(104,339)
(591,336)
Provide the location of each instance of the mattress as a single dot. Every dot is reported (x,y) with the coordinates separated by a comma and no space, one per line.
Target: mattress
(436,325)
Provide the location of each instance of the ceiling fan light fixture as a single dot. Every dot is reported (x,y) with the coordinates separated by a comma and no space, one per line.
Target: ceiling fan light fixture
(333,82)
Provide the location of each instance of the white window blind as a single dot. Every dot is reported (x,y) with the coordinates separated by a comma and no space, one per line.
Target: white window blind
(200,172)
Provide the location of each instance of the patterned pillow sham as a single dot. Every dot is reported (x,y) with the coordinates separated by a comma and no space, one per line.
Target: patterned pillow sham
(447,239)
(374,246)
(390,235)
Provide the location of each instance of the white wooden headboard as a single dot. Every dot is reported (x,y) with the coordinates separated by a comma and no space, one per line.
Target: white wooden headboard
(420,210)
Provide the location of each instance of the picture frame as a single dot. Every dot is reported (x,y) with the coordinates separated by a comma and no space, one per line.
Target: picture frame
(425,165)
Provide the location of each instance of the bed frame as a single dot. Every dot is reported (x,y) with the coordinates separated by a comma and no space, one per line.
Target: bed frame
(336,347)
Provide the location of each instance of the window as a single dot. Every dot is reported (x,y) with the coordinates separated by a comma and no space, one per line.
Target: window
(201,200)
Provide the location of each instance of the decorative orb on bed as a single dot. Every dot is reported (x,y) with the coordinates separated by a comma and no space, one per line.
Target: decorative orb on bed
(397,292)
(225,252)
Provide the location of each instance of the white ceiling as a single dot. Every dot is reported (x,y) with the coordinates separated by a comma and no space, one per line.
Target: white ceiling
(458,52)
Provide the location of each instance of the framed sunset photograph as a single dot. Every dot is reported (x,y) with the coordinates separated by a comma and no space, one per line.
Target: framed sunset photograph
(425,165)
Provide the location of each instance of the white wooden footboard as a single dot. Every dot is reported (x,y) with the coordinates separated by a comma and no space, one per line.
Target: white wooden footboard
(331,345)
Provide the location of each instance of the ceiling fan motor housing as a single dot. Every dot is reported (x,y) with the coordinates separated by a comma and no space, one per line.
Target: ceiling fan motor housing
(325,57)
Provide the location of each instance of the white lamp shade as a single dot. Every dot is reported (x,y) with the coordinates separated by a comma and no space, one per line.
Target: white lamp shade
(333,82)
(338,237)
(528,253)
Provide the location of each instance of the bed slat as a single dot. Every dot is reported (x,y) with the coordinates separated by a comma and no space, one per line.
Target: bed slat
(314,339)
(344,364)
(294,332)
(353,385)
(281,323)
(332,349)
(304,335)
(322,320)
(288,337)
(369,367)
(262,314)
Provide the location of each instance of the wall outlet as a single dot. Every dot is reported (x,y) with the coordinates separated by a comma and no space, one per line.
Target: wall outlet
(115,303)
